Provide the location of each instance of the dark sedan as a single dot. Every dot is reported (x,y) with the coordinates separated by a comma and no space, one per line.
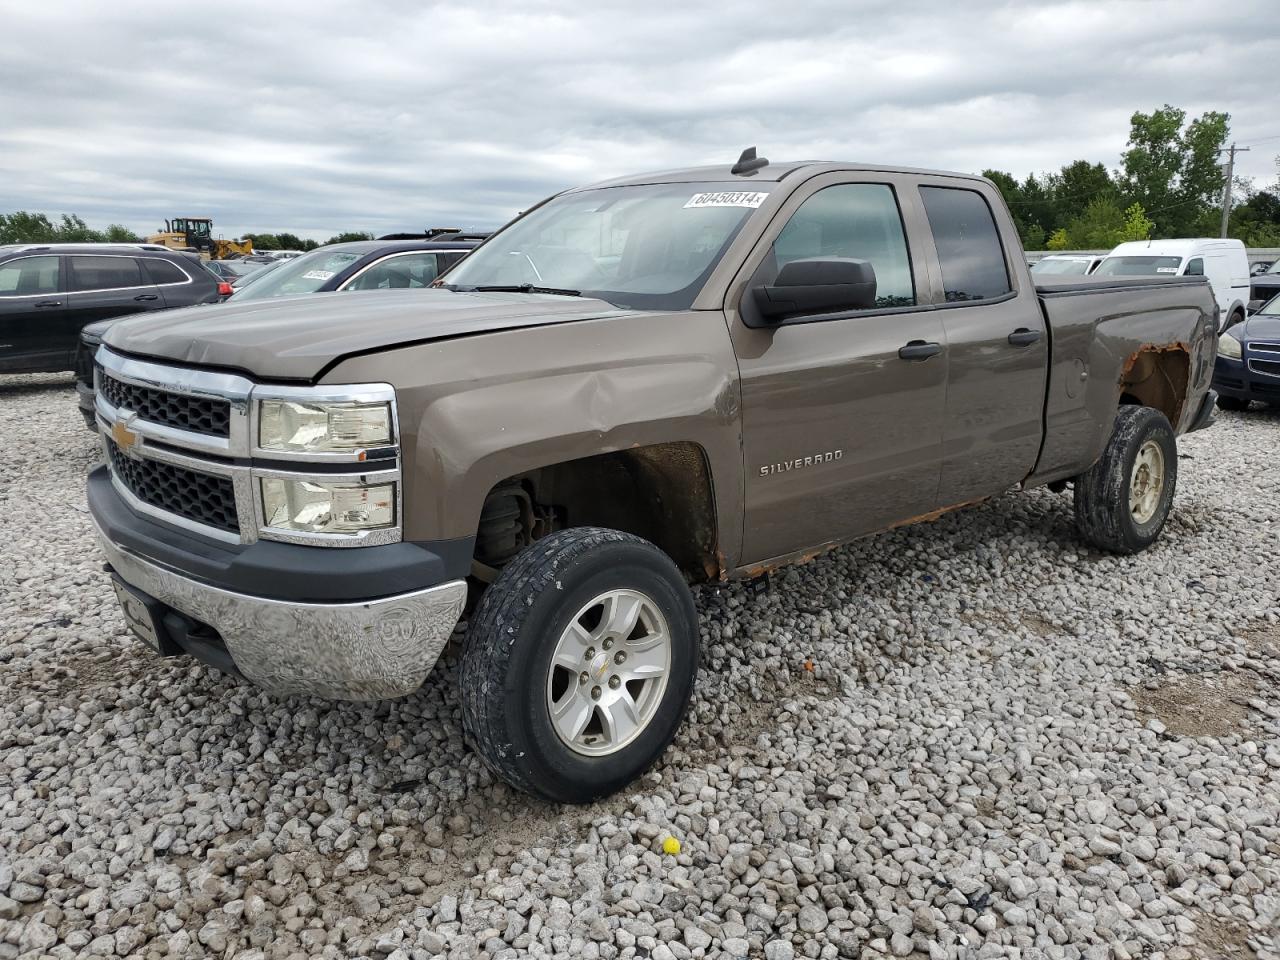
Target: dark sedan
(1248,364)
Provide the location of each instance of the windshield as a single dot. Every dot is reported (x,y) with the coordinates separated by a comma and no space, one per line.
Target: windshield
(1061,267)
(305,274)
(649,246)
(1274,268)
(1138,266)
(1271,308)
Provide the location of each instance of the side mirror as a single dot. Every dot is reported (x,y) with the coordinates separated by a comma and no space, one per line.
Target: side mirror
(1254,306)
(818,285)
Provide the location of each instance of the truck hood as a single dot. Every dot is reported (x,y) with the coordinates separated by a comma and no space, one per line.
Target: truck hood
(295,338)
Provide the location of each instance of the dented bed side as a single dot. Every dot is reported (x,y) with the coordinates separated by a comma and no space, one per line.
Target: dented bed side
(1120,341)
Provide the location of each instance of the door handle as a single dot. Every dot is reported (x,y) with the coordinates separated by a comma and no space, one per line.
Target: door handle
(1022,337)
(919,350)
(48,303)
(146,296)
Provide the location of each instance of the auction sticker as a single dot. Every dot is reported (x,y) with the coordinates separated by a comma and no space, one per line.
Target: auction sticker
(1166,269)
(317,275)
(726,199)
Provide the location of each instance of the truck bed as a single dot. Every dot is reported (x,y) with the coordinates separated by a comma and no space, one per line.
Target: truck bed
(1104,324)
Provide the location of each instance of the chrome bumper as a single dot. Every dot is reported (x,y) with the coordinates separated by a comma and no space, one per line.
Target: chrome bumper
(370,650)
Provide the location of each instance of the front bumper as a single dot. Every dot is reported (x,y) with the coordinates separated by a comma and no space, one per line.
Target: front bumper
(313,637)
(1233,378)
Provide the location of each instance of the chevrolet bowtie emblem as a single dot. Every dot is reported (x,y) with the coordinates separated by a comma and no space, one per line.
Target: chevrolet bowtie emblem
(125,439)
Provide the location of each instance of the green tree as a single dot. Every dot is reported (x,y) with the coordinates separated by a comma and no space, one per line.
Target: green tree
(1171,169)
(23,227)
(1076,186)
(116,233)
(263,241)
(349,237)
(1059,240)
(1137,226)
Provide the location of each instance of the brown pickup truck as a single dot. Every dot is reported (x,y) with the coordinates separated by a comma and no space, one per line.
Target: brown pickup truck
(664,379)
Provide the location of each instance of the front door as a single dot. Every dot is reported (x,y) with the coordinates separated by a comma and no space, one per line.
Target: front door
(841,413)
(33,315)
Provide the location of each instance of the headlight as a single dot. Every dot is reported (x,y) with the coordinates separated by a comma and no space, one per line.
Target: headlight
(316,506)
(1229,347)
(296,426)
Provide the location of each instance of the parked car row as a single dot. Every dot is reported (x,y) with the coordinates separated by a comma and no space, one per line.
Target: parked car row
(360,265)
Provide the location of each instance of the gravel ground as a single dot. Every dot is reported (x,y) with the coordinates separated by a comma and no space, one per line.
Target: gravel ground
(973,738)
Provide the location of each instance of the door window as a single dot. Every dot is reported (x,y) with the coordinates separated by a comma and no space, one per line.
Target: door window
(411,270)
(856,220)
(105,273)
(29,277)
(1195,268)
(163,272)
(968,244)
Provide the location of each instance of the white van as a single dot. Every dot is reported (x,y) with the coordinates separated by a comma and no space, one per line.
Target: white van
(1224,262)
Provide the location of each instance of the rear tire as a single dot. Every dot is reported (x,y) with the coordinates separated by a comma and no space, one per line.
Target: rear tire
(1237,316)
(1232,403)
(579,664)
(1123,500)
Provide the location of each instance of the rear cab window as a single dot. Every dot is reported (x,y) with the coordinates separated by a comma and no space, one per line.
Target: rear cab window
(29,276)
(970,253)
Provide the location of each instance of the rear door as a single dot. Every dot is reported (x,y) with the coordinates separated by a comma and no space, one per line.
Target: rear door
(105,286)
(997,343)
(841,431)
(176,287)
(33,316)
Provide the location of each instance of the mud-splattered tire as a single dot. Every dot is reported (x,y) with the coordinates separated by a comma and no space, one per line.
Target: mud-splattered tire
(547,701)
(1123,500)
(1232,403)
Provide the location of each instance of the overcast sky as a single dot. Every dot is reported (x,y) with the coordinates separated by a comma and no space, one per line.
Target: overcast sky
(316,116)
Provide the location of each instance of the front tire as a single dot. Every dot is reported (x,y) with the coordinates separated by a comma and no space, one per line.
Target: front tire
(579,664)
(1123,500)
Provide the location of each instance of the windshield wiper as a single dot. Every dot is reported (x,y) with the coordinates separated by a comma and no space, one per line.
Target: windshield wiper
(524,288)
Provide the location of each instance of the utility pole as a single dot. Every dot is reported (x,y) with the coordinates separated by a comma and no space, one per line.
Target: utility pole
(1226,187)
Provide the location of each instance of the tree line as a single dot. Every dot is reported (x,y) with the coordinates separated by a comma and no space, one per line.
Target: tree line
(24,227)
(1169,184)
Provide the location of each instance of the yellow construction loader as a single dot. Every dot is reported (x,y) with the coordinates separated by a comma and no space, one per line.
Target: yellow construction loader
(196,233)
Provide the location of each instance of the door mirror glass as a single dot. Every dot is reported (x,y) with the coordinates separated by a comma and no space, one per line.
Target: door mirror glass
(818,285)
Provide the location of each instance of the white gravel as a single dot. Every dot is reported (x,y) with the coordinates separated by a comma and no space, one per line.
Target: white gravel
(973,738)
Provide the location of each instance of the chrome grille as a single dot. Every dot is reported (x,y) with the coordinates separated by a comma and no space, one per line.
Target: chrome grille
(204,415)
(198,497)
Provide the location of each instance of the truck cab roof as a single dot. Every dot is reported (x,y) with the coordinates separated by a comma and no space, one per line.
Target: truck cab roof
(773,173)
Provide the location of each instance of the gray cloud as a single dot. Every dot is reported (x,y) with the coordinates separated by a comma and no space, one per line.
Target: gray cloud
(319,116)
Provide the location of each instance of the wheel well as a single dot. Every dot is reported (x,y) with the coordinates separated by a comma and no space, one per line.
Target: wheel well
(1157,377)
(661,492)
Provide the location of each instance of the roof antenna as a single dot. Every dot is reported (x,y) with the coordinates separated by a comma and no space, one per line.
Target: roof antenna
(748,163)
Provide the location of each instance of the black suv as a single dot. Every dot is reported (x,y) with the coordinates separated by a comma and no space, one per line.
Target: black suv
(49,292)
